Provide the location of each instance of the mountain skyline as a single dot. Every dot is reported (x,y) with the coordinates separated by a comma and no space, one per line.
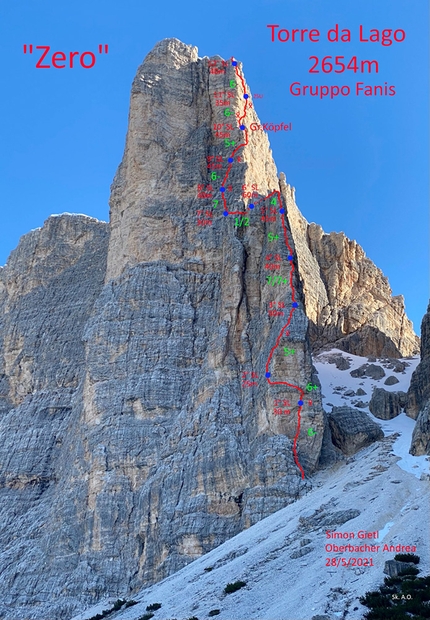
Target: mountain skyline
(358,165)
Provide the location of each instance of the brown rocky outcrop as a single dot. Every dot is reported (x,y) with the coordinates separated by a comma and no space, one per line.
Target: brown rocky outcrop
(348,300)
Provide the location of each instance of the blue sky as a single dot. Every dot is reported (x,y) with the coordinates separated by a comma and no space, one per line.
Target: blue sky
(359,164)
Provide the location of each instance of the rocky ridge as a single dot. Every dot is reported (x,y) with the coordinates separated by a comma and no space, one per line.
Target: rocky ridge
(348,300)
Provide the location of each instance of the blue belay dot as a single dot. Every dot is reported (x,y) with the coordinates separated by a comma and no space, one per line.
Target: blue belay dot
(267,374)
(230,160)
(251,206)
(225,213)
(245,96)
(242,127)
(281,210)
(234,63)
(300,403)
(295,304)
(290,257)
(222,189)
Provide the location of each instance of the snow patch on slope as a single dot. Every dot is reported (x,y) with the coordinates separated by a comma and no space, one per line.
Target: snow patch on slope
(332,378)
(282,587)
(283,558)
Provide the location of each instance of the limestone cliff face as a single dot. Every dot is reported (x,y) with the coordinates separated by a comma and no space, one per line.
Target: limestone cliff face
(348,300)
(140,429)
(182,329)
(171,134)
(137,370)
(418,400)
(47,292)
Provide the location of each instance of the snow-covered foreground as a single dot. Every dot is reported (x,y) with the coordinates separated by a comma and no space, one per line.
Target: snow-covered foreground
(283,558)
(332,378)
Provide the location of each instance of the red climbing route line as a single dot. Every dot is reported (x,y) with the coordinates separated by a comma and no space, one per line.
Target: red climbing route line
(239,146)
(290,251)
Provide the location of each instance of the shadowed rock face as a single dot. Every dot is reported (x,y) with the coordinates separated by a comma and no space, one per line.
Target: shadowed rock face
(47,293)
(419,390)
(386,405)
(132,444)
(352,429)
(418,399)
(420,443)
